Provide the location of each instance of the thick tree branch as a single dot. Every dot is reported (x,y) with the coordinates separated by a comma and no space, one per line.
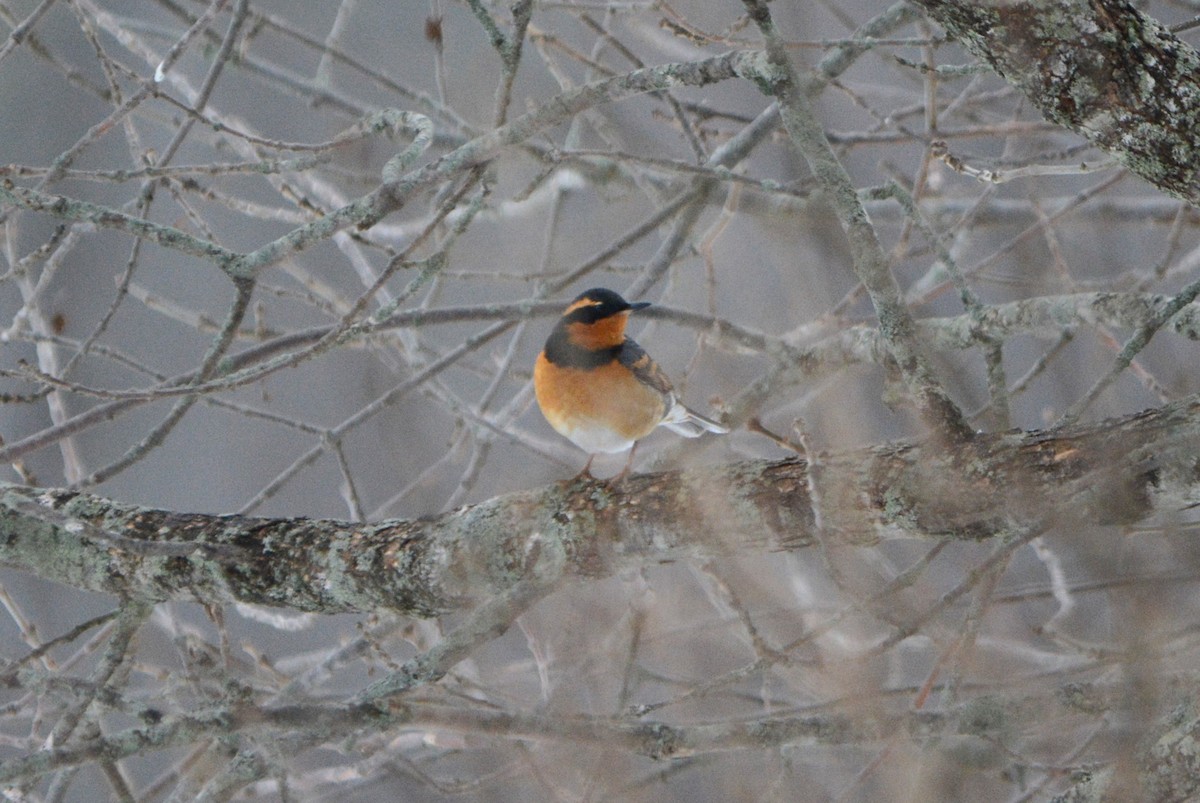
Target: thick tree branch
(1118,471)
(1102,69)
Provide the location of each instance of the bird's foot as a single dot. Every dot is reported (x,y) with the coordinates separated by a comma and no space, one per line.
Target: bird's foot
(628,465)
(586,474)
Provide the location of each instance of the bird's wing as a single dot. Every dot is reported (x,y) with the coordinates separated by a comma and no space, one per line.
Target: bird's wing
(635,358)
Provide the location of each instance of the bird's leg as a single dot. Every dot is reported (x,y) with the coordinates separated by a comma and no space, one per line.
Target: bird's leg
(628,463)
(587,469)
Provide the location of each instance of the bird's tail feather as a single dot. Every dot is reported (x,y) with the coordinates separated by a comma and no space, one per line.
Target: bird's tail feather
(690,424)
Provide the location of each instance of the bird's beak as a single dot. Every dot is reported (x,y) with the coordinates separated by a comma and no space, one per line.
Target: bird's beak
(638,305)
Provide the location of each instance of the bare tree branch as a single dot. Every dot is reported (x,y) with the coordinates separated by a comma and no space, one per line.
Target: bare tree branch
(1106,473)
(838,223)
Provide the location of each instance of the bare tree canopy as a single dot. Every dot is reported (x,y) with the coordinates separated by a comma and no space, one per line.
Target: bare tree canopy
(283,521)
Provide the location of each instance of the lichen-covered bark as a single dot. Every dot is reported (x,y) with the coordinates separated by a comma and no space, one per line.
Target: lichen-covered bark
(996,485)
(1100,68)
(1170,763)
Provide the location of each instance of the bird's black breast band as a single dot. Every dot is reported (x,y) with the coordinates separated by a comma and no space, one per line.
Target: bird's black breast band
(565,354)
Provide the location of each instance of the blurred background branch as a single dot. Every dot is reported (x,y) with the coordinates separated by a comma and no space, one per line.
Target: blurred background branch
(297,261)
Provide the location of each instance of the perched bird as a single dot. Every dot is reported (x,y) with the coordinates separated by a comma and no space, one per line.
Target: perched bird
(599,389)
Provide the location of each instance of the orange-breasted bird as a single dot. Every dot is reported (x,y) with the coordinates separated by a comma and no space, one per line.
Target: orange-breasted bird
(599,388)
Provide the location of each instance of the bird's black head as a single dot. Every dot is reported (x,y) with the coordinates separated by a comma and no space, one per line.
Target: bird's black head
(597,304)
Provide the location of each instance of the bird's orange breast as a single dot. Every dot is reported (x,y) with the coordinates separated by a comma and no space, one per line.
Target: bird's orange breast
(600,409)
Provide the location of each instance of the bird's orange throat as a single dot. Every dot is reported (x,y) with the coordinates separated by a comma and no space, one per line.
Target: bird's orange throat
(603,334)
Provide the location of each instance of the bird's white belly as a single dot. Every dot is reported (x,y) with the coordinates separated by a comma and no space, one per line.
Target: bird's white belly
(593,437)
